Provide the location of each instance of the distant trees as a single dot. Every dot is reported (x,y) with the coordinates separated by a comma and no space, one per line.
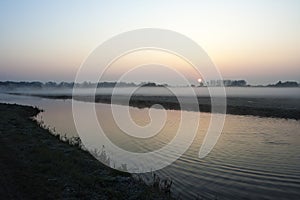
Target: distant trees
(227,83)
(238,83)
(65,85)
(285,84)
(22,84)
(151,84)
(50,84)
(10,85)
(114,84)
(148,85)
(243,83)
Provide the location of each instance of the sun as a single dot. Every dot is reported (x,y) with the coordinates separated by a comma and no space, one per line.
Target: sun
(199,80)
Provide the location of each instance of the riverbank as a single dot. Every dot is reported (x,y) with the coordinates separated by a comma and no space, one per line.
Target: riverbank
(36,164)
(287,108)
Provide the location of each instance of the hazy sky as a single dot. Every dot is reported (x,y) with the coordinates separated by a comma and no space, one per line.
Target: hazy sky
(257,40)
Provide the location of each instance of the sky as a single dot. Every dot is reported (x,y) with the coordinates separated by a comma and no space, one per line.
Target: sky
(257,40)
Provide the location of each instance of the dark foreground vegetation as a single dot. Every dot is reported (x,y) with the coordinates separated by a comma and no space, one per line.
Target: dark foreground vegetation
(36,164)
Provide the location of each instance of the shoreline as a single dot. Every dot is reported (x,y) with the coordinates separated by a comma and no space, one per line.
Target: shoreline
(286,108)
(36,164)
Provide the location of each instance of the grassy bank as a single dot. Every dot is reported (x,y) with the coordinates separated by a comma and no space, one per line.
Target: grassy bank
(35,164)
